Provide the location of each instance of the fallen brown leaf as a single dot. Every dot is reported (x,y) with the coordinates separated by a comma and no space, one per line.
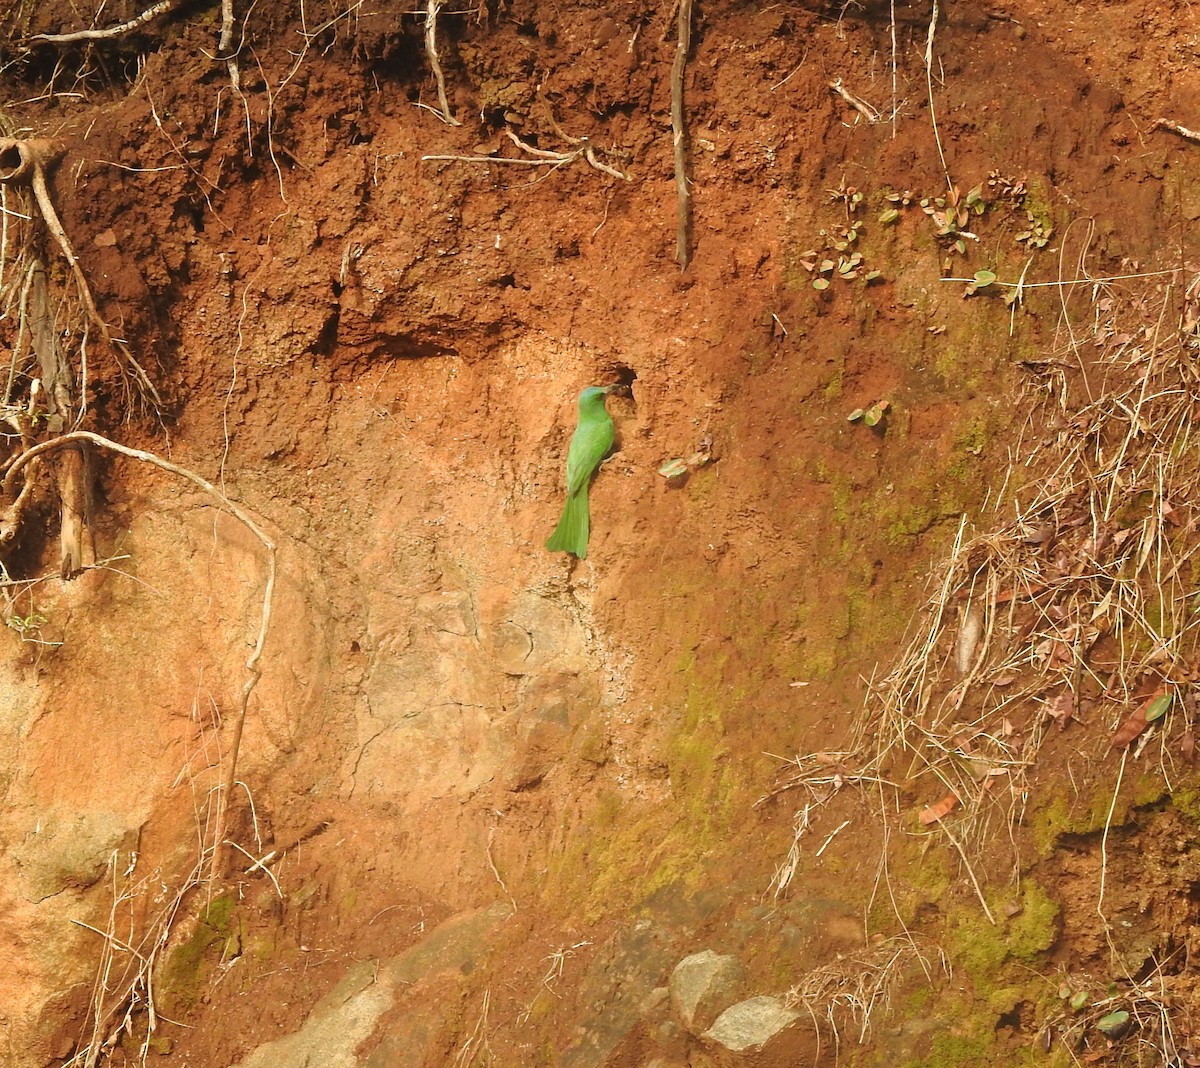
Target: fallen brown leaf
(1135,724)
(933,813)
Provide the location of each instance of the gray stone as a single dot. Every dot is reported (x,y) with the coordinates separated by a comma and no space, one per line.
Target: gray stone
(702,985)
(751,1024)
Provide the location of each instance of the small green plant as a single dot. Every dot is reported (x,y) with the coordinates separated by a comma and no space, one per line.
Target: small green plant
(25,625)
(872,416)
(1037,234)
(952,213)
(848,266)
(850,197)
(897,201)
(982,280)
(29,627)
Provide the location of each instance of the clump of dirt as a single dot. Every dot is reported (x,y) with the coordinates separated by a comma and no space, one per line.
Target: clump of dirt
(476,802)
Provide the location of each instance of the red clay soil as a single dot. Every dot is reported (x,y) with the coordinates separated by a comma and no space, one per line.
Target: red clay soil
(377,355)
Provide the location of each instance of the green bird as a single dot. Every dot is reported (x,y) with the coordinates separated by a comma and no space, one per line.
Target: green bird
(590,443)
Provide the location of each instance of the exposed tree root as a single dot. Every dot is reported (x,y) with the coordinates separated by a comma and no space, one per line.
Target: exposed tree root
(683,45)
(109,32)
(24,162)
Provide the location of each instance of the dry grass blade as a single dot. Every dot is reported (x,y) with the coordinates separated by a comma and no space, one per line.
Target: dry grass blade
(855,989)
(1079,606)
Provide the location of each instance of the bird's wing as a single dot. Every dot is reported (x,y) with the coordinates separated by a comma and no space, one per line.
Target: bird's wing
(589,445)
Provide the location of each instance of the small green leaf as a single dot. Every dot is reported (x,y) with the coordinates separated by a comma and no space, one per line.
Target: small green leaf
(984,278)
(873,276)
(855,415)
(1158,707)
(889,216)
(873,415)
(1115,1024)
(1079,1000)
(673,468)
(961,245)
(827,266)
(820,283)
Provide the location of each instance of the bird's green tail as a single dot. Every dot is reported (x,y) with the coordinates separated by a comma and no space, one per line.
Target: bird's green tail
(571,534)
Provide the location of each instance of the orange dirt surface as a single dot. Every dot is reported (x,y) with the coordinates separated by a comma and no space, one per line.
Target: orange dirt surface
(487,798)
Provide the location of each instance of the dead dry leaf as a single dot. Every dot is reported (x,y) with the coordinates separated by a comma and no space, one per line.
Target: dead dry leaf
(1061,708)
(933,813)
(1145,714)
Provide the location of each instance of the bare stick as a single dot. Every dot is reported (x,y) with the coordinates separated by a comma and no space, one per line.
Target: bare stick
(253,668)
(431,14)
(495,871)
(108,32)
(1174,127)
(683,226)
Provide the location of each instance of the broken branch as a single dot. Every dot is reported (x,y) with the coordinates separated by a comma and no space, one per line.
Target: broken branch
(861,106)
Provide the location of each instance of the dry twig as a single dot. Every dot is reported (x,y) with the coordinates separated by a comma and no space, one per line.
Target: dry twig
(1174,127)
(868,112)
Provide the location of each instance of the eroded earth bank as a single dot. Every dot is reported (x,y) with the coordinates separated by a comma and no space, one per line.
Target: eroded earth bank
(864,733)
